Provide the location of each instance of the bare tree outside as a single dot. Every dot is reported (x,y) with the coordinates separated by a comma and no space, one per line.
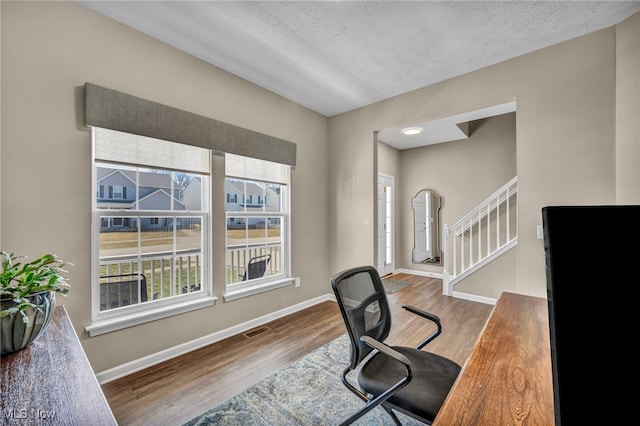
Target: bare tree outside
(181,181)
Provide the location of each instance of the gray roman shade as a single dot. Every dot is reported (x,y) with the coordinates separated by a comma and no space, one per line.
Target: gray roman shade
(110,109)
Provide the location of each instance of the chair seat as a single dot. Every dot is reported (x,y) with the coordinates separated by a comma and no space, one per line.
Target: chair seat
(433,377)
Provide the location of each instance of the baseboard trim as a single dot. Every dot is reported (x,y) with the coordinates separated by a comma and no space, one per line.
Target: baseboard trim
(456,294)
(123,370)
(420,273)
(474,298)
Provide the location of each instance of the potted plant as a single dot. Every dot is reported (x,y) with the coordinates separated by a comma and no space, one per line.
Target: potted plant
(27,297)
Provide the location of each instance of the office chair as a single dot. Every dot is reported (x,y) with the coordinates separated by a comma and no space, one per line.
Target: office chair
(256,267)
(405,379)
(122,290)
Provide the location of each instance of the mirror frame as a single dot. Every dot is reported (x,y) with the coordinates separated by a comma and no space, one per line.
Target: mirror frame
(426,205)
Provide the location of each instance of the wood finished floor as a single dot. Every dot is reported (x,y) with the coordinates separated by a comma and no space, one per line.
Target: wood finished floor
(175,391)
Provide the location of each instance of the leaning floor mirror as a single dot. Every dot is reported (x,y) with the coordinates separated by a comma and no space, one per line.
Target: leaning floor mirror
(426,227)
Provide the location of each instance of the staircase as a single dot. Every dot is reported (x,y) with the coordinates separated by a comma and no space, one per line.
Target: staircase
(482,235)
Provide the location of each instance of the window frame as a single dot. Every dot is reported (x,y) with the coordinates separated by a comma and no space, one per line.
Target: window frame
(139,313)
(237,290)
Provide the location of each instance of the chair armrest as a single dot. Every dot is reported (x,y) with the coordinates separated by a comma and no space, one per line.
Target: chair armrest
(431,317)
(424,314)
(387,350)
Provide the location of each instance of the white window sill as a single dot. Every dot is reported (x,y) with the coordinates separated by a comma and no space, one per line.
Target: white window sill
(234,294)
(99,327)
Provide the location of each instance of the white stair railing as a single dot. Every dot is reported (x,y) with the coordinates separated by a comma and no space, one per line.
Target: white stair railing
(483,234)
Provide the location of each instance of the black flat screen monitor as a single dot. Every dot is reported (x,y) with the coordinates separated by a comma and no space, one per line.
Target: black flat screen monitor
(592,259)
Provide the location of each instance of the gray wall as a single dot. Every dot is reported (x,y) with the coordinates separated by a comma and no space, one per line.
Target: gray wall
(628,111)
(566,143)
(463,173)
(571,147)
(49,50)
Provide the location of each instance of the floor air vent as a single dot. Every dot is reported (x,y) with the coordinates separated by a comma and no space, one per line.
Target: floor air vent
(257,331)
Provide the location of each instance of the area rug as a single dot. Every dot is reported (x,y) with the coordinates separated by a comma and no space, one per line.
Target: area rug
(391,285)
(308,392)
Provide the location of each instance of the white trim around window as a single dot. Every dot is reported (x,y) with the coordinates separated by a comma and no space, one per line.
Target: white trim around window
(257,232)
(156,264)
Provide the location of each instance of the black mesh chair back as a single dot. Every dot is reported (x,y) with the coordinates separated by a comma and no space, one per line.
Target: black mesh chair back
(363,304)
(401,379)
(256,267)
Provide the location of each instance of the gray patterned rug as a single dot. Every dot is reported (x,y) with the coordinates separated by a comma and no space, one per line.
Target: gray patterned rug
(308,392)
(391,285)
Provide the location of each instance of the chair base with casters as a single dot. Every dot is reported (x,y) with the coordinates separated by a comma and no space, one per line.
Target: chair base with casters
(407,380)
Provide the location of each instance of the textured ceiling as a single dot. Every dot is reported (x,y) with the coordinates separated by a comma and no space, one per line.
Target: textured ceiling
(336,56)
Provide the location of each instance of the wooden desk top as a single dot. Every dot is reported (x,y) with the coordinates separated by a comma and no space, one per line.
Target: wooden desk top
(51,382)
(507,379)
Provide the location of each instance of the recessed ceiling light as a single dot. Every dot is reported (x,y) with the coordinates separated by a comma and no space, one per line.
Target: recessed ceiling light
(412,130)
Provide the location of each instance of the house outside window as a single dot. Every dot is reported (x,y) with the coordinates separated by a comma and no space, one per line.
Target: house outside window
(150,237)
(257,235)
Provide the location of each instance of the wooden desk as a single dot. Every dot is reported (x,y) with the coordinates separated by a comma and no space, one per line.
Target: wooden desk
(51,382)
(507,379)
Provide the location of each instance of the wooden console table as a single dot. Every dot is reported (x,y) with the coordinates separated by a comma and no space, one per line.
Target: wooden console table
(51,382)
(507,379)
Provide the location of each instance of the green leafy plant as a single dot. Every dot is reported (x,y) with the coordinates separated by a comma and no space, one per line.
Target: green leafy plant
(20,280)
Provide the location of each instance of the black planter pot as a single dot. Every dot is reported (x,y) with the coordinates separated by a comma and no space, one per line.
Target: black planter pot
(15,334)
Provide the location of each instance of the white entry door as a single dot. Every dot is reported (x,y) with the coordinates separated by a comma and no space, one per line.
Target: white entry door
(386,262)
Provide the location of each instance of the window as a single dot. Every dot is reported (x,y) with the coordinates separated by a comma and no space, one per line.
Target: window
(257,241)
(150,236)
(117,192)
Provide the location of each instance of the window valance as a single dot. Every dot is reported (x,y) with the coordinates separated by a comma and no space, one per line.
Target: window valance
(110,109)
